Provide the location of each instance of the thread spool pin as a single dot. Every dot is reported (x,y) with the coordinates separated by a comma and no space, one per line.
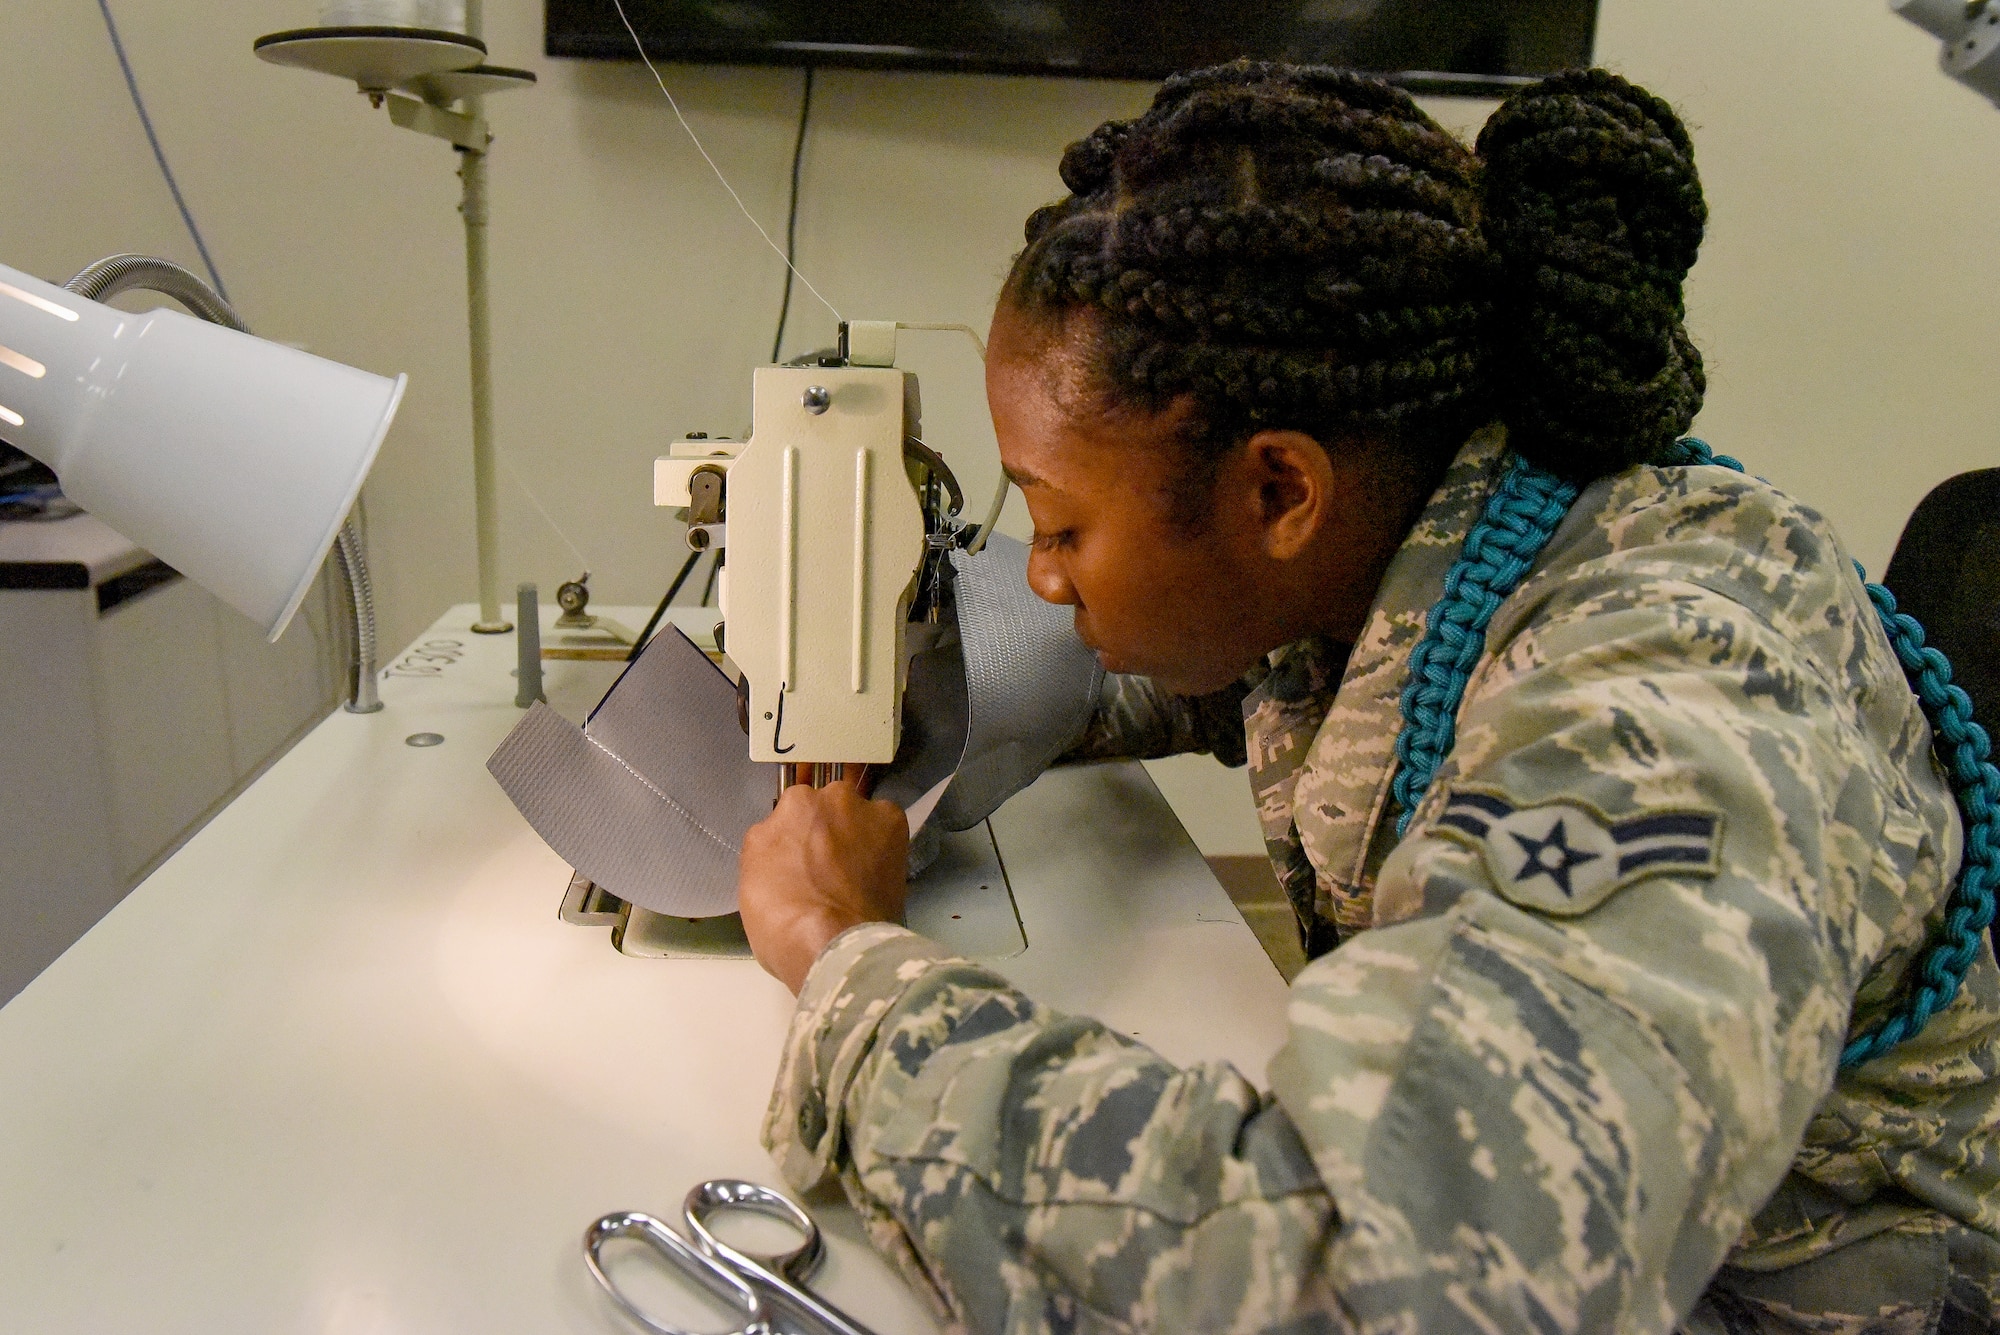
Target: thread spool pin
(528,647)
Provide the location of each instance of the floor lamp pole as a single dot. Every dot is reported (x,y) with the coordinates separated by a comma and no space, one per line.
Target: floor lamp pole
(485,482)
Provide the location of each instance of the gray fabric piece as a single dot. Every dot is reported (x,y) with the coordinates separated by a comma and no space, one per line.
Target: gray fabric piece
(934,723)
(926,844)
(1030,683)
(651,798)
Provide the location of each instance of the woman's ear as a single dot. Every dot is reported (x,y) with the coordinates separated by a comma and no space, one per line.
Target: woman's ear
(1293,482)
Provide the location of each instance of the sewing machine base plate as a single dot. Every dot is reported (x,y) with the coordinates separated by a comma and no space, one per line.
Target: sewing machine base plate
(963,901)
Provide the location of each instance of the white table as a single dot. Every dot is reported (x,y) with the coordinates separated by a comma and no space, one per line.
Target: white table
(337,1066)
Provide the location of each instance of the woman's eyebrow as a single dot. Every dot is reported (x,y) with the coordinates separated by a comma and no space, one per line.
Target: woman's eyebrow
(1021,477)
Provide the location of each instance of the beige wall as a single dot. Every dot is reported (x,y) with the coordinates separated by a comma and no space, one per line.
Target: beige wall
(1840,301)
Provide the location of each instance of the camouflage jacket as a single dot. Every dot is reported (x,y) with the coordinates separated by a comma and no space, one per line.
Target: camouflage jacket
(1573,1064)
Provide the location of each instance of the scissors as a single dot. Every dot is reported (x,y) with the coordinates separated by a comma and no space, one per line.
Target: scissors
(751,1285)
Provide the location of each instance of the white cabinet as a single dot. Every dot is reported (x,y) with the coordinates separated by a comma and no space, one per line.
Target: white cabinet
(132,706)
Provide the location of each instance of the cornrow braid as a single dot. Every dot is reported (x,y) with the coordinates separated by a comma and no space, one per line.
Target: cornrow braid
(1305,248)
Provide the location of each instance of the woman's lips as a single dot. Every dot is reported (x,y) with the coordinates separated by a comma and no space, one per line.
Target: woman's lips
(1105,659)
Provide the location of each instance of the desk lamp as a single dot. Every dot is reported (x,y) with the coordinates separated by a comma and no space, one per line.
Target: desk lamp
(230,458)
(421,52)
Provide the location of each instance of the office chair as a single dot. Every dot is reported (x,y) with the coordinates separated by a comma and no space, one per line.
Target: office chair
(1946,574)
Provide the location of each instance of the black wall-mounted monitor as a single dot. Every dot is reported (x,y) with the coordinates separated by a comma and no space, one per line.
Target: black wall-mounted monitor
(1476,47)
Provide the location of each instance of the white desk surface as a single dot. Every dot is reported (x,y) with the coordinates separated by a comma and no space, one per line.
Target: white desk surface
(337,1066)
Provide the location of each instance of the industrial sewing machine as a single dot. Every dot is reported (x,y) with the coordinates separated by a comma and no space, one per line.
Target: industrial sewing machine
(866,625)
(836,519)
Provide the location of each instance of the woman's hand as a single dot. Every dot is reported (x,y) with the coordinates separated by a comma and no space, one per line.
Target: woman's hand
(825,860)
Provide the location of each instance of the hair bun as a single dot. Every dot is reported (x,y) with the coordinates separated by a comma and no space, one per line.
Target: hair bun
(1594,212)
(1088,164)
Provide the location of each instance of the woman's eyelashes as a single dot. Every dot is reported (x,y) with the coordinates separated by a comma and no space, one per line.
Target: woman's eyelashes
(1052,542)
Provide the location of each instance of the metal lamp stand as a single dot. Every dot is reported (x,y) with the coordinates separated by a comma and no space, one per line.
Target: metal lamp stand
(451,81)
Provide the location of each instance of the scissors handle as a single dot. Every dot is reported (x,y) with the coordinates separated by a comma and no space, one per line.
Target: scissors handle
(711,1273)
(780,1279)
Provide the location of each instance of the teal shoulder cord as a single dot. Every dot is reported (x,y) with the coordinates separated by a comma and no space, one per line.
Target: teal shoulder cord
(1519,518)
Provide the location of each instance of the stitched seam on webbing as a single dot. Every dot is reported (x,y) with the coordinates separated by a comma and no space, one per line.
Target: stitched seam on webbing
(684,813)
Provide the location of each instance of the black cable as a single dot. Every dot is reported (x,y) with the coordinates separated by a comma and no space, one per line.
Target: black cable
(661,610)
(792,216)
(160,154)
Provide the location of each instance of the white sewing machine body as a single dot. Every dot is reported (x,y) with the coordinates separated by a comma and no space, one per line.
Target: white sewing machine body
(823,518)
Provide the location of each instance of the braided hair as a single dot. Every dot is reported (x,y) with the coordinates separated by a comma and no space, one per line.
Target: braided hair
(1304,248)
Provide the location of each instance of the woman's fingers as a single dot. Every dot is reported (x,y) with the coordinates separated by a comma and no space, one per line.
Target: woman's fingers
(824,860)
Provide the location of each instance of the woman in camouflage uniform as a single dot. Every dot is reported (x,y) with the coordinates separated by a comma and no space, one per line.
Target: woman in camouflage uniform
(1566,1057)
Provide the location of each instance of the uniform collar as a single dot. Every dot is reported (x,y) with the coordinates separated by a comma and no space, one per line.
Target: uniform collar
(1321,768)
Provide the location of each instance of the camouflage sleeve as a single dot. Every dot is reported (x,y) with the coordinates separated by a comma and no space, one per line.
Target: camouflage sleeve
(1032,1171)
(1136,720)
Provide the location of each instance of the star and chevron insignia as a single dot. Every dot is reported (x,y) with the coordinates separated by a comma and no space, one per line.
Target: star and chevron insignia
(1566,857)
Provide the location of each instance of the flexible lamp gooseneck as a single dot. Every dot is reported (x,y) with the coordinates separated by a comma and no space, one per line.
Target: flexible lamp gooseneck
(232,459)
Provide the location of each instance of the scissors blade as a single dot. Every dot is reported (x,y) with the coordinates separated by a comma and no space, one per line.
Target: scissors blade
(801,1303)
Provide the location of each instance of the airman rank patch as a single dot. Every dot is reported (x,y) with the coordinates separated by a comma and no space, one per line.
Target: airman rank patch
(1566,857)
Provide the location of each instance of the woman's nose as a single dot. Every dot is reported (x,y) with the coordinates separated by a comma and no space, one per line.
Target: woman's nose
(1049,580)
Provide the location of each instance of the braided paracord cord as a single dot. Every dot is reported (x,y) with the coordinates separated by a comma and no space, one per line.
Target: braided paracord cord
(1499,550)
(1517,523)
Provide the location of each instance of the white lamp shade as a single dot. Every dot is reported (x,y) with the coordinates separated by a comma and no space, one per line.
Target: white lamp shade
(232,459)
